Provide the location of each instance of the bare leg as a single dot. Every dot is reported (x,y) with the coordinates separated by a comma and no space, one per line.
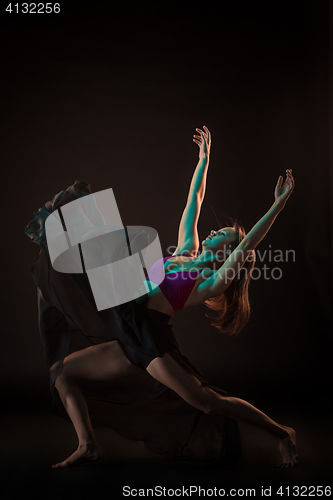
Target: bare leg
(106,361)
(167,371)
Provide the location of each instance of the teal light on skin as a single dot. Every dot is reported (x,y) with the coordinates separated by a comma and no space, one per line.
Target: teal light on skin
(216,247)
(222,239)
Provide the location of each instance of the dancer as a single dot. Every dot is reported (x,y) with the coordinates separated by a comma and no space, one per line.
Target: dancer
(137,336)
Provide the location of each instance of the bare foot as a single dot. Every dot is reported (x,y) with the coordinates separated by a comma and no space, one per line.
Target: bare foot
(288,449)
(85,453)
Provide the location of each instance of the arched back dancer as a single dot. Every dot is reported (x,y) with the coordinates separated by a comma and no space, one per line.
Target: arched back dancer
(219,276)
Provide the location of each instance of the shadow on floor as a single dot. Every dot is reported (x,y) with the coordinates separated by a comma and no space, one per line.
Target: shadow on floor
(31,443)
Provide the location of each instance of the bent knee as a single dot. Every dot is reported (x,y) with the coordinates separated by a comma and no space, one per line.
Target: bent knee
(215,404)
(205,402)
(55,370)
(210,409)
(59,374)
(60,380)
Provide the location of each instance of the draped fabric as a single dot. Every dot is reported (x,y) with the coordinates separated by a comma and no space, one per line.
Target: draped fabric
(137,407)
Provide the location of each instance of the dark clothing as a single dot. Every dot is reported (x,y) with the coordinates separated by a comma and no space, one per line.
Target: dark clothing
(137,407)
(69,321)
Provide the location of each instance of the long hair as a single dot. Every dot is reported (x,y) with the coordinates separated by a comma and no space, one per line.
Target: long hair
(233,306)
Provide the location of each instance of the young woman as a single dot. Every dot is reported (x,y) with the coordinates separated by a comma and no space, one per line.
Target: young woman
(137,336)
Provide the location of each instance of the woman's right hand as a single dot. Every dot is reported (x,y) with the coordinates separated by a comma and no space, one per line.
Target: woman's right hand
(204,141)
(283,191)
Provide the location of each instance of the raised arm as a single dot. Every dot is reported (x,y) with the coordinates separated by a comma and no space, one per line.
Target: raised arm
(222,277)
(188,240)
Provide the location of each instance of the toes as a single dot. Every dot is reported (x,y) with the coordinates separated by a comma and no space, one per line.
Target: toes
(78,458)
(285,465)
(288,464)
(60,464)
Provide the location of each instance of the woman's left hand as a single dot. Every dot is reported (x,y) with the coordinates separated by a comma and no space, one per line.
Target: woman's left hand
(283,191)
(204,141)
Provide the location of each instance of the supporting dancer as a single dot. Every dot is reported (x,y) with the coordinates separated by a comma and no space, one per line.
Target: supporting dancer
(218,276)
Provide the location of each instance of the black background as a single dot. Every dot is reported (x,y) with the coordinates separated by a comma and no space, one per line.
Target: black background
(111,94)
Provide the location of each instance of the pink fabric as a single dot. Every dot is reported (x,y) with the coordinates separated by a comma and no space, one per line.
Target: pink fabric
(176,287)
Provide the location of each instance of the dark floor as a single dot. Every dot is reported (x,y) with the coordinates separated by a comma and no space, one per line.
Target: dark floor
(32,442)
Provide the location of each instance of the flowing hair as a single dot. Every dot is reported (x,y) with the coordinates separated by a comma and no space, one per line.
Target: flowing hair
(233,306)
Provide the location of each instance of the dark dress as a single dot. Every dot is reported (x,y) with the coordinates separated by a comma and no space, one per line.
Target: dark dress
(137,407)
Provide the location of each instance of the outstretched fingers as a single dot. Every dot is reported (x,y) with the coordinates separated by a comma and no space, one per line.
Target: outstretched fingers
(203,134)
(198,137)
(208,133)
(289,177)
(203,140)
(289,181)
